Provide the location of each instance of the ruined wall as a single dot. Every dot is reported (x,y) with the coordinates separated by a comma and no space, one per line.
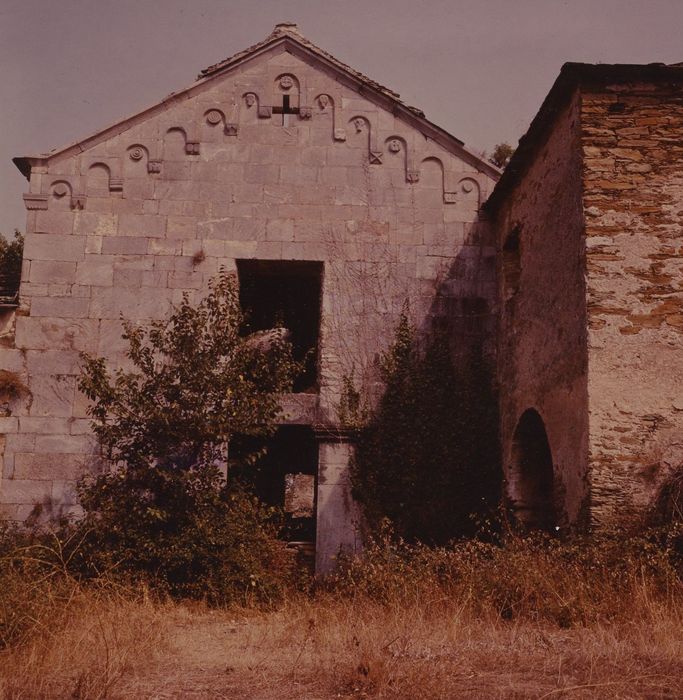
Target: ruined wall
(116,226)
(632,141)
(542,342)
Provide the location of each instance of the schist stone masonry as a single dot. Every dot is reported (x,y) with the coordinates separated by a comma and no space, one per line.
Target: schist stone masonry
(335,202)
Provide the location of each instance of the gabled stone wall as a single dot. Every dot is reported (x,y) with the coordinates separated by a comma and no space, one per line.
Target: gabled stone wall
(127,222)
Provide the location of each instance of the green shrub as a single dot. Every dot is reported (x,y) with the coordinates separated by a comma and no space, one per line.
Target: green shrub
(11,254)
(190,537)
(164,512)
(574,582)
(427,458)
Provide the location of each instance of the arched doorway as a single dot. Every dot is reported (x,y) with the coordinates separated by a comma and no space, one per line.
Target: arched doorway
(530,475)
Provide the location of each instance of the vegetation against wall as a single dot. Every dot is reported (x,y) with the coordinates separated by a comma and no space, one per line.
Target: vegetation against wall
(164,511)
(427,457)
(502,152)
(11,253)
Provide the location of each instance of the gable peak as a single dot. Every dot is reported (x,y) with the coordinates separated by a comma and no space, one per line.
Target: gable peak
(286,28)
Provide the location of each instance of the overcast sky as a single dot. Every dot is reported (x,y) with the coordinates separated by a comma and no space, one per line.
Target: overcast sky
(478,68)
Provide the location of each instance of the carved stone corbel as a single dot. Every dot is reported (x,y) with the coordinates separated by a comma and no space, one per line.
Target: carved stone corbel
(35,202)
(78,201)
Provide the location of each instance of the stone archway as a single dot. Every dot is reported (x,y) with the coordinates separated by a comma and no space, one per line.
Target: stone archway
(531,476)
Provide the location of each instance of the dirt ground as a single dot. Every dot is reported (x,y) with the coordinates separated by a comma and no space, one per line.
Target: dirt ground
(268,657)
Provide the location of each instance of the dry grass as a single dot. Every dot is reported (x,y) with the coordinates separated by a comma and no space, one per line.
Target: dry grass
(98,638)
(380,631)
(329,648)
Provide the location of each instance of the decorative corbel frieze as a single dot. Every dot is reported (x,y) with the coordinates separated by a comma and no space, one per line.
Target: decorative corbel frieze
(138,151)
(461,189)
(332,103)
(216,116)
(78,201)
(305,112)
(192,131)
(362,124)
(113,167)
(65,186)
(35,202)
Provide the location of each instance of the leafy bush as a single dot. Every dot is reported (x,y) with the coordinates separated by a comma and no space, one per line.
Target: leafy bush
(11,254)
(427,457)
(165,512)
(574,582)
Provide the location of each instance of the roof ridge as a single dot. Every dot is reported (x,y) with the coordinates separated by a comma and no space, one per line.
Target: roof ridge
(284,31)
(291,30)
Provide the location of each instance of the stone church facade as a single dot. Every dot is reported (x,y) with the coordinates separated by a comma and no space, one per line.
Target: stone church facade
(334,202)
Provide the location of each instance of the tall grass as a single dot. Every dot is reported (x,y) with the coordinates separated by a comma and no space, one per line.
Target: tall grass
(532,618)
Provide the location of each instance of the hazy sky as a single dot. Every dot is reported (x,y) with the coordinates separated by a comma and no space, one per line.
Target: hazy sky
(478,68)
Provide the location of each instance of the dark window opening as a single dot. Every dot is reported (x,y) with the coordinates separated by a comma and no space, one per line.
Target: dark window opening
(285,110)
(531,476)
(284,476)
(285,294)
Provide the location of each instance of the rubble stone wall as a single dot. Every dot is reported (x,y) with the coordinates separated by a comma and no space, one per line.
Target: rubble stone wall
(632,141)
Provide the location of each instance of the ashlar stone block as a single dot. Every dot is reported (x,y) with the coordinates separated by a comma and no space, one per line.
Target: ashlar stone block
(60,307)
(50,271)
(52,395)
(52,362)
(145,226)
(48,466)
(49,246)
(54,222)
(25,491)
(95,270)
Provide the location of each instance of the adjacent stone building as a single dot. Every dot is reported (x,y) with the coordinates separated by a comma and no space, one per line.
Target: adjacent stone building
(335,203)
(588,219)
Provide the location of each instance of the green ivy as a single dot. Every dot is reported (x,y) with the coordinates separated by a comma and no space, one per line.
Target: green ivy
(427,459)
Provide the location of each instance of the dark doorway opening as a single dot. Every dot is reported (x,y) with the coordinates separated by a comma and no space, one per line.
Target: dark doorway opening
(531,478)
(284,476)
(286,294)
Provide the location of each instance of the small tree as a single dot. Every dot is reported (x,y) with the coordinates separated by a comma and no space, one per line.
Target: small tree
(427,459)
(11,254)
(164,511)
(502,152)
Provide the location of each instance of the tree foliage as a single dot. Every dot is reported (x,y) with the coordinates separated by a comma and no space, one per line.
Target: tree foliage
(427,458)
(11,254)
(196,381)
(502,152)
(164,511)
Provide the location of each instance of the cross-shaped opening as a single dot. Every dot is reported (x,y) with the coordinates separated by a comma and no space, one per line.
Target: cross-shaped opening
(285,110)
